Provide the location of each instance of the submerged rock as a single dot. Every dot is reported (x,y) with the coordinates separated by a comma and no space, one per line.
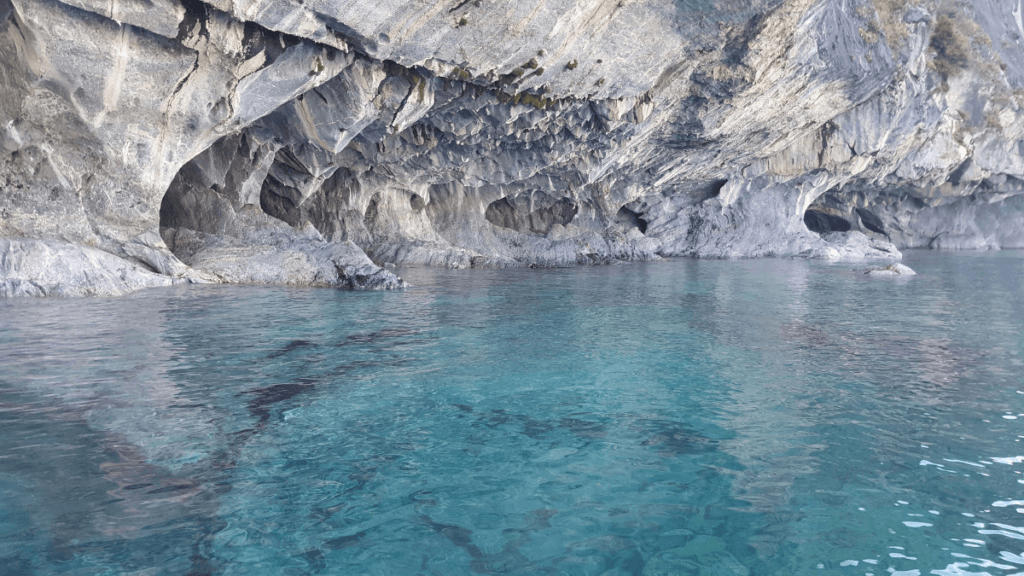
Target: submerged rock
(894,269)
(302,143)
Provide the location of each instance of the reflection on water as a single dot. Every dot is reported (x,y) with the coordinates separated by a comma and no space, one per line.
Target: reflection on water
(689,417)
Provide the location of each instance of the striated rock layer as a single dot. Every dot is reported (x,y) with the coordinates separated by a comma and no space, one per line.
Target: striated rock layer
(314,141)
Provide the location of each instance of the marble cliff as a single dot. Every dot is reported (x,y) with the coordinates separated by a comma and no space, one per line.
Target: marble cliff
(316,142)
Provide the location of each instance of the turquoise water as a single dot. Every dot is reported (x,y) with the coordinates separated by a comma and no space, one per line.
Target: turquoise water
(772,417)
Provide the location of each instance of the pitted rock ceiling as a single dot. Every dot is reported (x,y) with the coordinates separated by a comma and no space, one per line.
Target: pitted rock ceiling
(316,142)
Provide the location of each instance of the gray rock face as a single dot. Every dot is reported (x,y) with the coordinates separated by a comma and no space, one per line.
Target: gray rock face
(303,142)
(50,268)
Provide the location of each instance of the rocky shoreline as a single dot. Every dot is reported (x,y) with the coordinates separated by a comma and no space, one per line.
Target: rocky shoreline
(314,143)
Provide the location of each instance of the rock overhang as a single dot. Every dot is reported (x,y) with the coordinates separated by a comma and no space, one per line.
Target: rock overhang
(400,128)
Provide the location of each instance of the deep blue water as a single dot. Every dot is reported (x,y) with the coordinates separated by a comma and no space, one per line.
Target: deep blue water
(768,417)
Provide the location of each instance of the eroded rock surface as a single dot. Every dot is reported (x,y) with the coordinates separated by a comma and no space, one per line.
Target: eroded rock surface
(894,269)
(308,142)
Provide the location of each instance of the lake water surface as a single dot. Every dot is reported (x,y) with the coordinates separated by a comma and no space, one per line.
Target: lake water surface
(766,417)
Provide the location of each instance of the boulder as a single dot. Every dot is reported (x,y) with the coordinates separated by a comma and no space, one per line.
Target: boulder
(894,269)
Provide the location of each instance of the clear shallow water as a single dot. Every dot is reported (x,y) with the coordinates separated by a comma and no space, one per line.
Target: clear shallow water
(706,418)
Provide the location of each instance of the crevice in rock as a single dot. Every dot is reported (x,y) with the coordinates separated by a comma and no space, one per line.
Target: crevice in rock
(871,221)
(196,14)
(370,216)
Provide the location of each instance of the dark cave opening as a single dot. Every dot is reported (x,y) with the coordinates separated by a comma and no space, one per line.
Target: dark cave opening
(823,223)
(417,203)
(871,221)
(501,213)
(632,218)
(514,213)
(277,202)
(716,188)
(370,215)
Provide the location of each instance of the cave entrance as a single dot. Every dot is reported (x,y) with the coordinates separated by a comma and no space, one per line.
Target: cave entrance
(833,214)
(823,222)
(631,218)
(532,212)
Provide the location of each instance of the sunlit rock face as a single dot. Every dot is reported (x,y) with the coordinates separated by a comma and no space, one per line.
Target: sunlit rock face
(312,142)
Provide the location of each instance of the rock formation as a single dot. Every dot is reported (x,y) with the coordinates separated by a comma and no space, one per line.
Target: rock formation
(894,269)
(149,142)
